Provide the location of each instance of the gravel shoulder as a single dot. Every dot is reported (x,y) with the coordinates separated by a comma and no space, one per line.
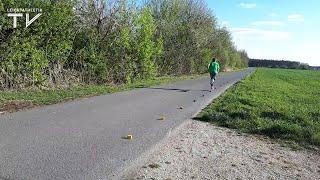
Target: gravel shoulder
(199,150)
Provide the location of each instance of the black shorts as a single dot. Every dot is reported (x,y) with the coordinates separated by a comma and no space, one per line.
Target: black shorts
(213,75)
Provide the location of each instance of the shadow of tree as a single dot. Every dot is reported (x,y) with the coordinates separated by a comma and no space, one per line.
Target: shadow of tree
(179,90)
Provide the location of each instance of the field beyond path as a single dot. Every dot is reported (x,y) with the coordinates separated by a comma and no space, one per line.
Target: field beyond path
(279,103)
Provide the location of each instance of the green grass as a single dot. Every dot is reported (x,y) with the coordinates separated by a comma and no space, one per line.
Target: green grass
(16,100)
(282,104)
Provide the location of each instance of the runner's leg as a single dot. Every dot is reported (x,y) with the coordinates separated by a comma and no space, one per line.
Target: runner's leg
(210,81)
(213,79)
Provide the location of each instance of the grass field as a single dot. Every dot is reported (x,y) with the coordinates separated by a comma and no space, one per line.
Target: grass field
(282,104)
(11,101)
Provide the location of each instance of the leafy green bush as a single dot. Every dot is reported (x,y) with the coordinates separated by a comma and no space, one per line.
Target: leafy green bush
(98,42)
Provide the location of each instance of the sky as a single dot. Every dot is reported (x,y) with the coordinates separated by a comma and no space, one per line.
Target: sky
(273,29)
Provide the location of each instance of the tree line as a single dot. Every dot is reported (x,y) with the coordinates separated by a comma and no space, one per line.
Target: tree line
(110,42)
(277,64)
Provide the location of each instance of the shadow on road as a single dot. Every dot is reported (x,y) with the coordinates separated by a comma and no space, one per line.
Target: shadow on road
(179,90)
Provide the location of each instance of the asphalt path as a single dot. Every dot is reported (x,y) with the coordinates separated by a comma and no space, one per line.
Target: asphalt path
(83,139)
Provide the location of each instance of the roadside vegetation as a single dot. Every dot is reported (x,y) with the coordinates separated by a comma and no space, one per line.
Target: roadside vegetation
(107,42)
(278,64)
(279,103)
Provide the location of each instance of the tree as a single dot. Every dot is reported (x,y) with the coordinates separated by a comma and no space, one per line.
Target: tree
(111,42)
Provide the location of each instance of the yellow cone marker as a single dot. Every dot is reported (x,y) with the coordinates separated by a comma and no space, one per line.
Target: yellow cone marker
(129,136)
(162,118)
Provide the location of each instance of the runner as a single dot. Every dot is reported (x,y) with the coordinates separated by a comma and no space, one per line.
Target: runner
(213,68)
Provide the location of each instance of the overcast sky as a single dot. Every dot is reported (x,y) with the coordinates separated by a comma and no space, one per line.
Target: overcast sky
(275,29)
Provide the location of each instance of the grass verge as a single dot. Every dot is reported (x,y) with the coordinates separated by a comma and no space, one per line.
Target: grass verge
(11,101)
(282,104)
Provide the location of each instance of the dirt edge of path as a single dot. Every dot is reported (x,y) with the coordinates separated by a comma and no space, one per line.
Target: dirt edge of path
(199,150)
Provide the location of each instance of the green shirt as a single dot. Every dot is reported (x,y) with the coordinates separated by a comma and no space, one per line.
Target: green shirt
(214,67)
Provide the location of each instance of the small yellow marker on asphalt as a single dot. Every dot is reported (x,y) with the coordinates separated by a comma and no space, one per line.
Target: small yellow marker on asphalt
(162,118)
(129,136)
